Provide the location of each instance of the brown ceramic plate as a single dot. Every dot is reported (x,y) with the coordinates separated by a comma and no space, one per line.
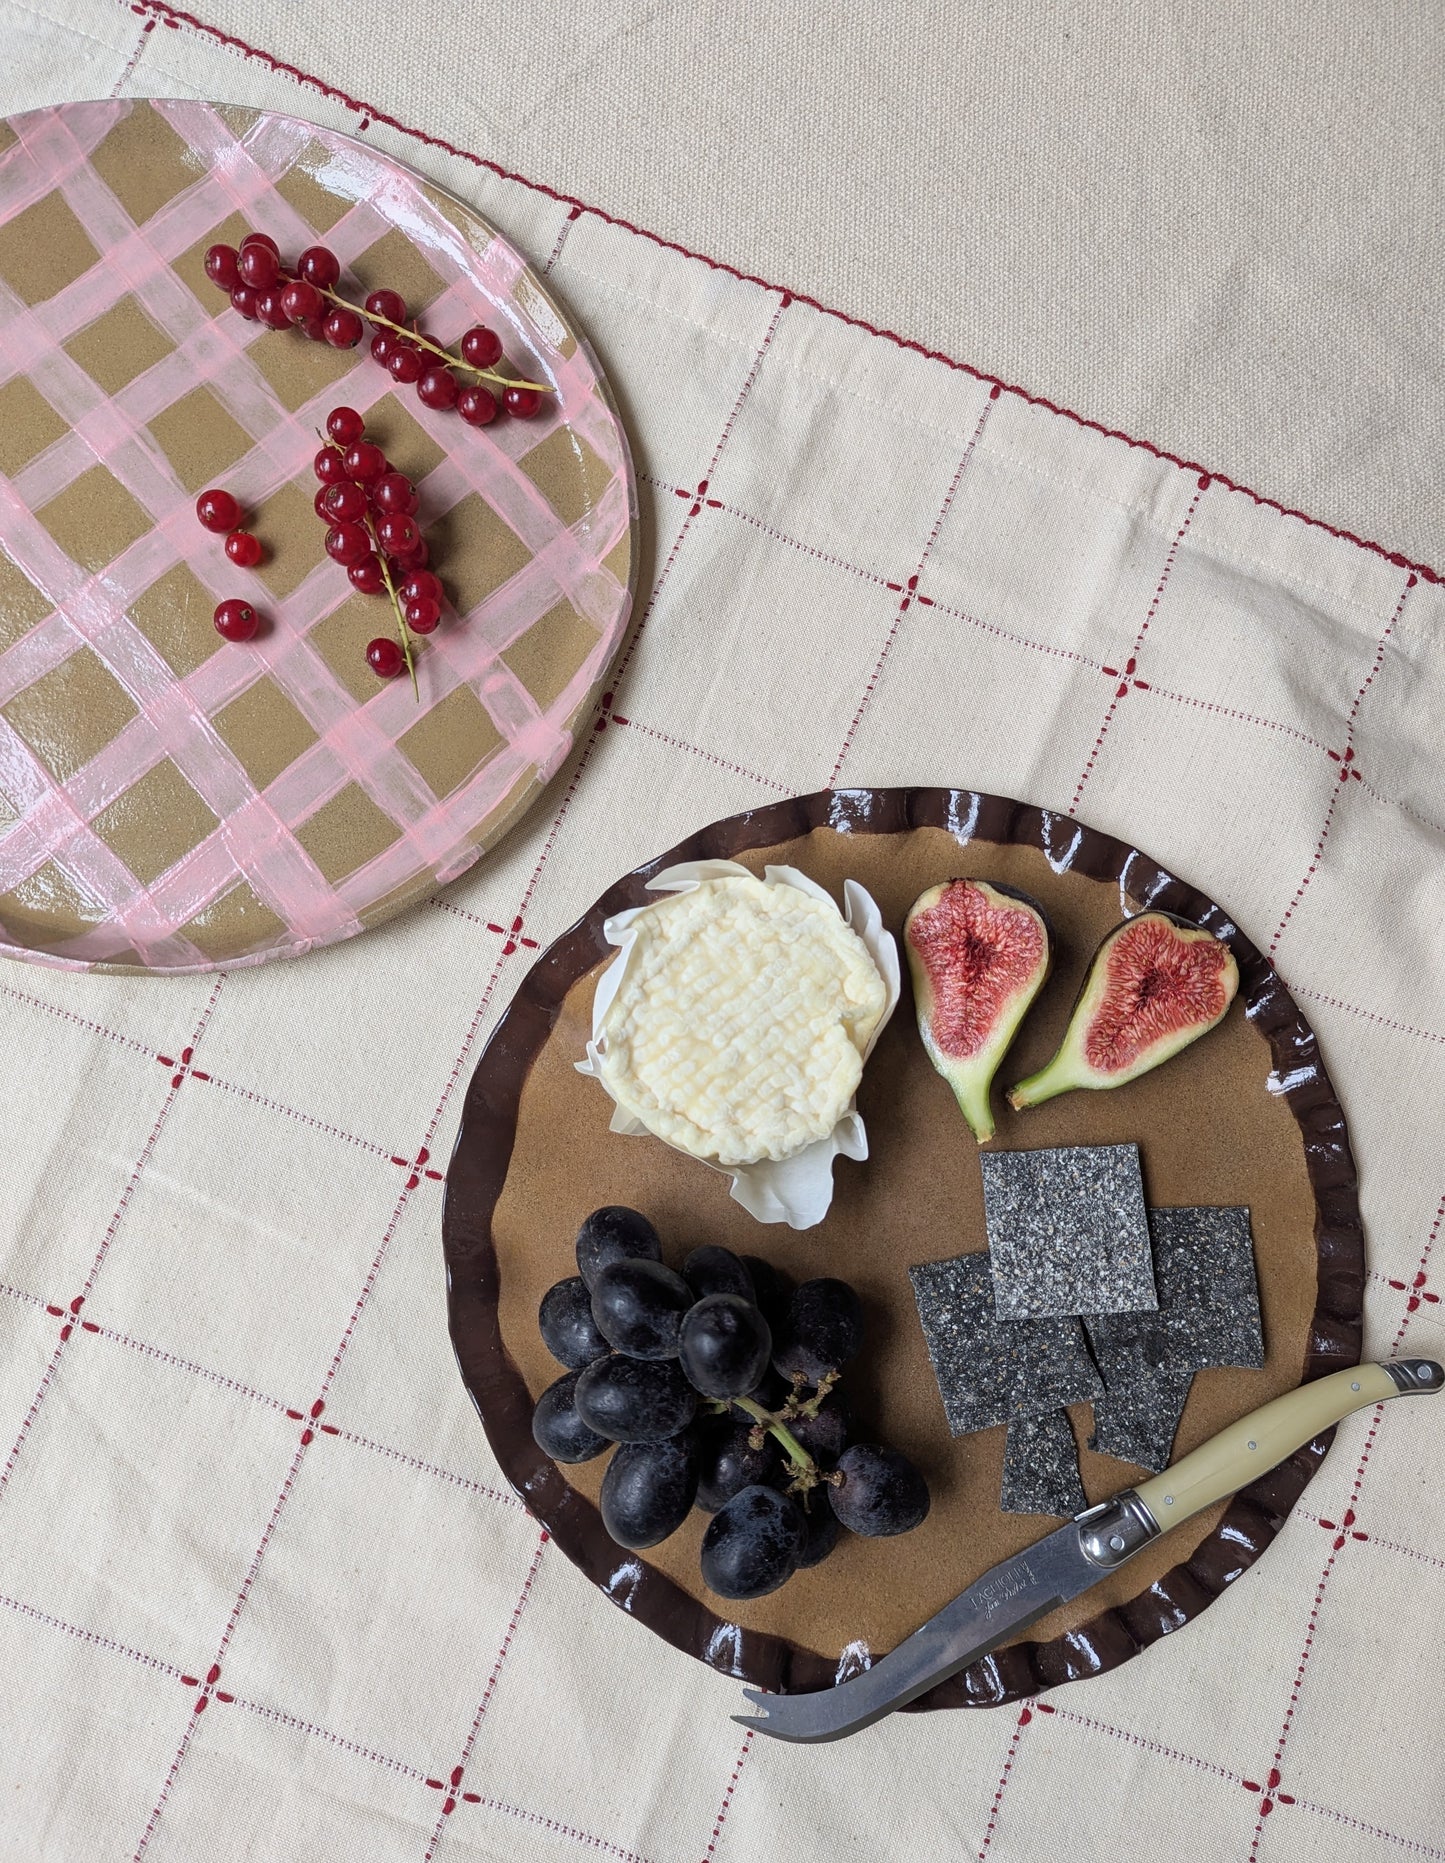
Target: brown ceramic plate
(171,801)
(1246,1116)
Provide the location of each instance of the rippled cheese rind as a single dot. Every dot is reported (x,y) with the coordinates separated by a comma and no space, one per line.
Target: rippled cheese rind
(739,1029)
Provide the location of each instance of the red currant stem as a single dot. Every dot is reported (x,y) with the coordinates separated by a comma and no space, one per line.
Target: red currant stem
(414,335)
(401,627)
(776,1427)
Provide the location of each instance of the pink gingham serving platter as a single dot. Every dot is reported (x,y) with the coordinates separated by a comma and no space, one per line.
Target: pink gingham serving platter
(172,801)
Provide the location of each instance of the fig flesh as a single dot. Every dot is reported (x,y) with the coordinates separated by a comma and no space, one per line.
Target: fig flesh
(979,954)
(1156,984)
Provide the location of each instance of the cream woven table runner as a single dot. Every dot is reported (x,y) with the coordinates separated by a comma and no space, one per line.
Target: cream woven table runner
(263,1593)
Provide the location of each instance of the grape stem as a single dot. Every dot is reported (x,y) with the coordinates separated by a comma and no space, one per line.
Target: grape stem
(434,349)
(809,1474)
(809,1407)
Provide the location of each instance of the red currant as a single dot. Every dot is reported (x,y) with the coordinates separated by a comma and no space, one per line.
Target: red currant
(319,266)
(343,329)
(476,407)
(365,462)
(481,347)
(300,301)
(382,345)
(329,466)
(405,362)
(218,510)
(421,586)
(258,266)
(262,239)
(522,403)
(319,504)
(243,549)
(385,658)
(390,306)
(398,533)
(344,503)
(235,620)
(365,574)
(409,560)
(245,299)
(221,267)
(347,543)
(438,389)
(422,617)
(345,426)
(394,491)
(270,309)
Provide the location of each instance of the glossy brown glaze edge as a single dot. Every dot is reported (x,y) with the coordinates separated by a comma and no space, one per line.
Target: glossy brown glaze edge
(482,1156)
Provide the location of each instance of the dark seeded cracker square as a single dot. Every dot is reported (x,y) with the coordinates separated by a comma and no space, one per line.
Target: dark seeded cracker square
(1067,1231)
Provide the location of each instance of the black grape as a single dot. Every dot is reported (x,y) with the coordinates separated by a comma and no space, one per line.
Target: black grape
(770,1290)
(638,1307)
(648,1490)
(820,1526)
(824,1436)
(724,1345)
(557,1427)
(822,1330)
(753,1544)
(714,1270)
(881,1492)
(568,1330)
(771,1391)
(615,1234)
(730,1464)
(632,1400)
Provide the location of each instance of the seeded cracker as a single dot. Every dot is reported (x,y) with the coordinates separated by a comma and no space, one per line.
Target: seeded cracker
(1208,1301)
(990,1370)
(1067,1231)
(1041,1467)
(1136,1421)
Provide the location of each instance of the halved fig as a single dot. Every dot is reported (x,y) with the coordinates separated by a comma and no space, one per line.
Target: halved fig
(979,954)
(1156,984)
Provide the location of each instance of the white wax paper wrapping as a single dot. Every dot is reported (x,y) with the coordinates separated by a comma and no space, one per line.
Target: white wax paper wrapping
(796,1190)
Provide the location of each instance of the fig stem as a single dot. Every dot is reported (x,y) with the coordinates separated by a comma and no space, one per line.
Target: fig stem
(775,1426)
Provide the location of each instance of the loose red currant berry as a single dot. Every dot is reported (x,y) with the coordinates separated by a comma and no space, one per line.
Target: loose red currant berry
(244,299)
(221,267)
(271,310)
(438,389)
(385,658)
(319,266)
(243,549)
(235,620)
(522,403)
(421,586)
(422,617)
(476,407)
(382,345)
(405,362)
(366,574)
(300,301)
(262,239)
(343,329)
(258,266)
(329,466)
(398,533)
(218,510)
(344,502)
(345,426)
(365,463)
(390,306)
(347,543)
(481,347)
(394,491)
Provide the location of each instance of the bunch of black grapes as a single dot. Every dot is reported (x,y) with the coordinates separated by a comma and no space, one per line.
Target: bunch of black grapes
(719,1388)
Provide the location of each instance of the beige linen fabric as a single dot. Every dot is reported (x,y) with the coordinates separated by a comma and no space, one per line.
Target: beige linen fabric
(263,1594)
(1215,224)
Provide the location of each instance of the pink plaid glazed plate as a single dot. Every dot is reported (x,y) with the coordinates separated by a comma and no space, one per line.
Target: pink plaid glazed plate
(172,801)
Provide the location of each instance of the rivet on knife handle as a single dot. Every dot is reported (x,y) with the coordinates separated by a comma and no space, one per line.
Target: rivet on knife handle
(1267,1436)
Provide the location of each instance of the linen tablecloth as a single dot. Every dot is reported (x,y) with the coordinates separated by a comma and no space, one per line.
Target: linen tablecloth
(263,1593)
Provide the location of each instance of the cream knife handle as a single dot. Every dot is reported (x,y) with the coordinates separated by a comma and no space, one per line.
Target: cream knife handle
(1230,1460)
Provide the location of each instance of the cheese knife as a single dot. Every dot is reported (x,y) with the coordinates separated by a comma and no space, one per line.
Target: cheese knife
(1022,1589)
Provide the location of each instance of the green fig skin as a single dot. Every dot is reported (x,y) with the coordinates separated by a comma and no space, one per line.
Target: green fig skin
(1015,979)
(1155,984)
